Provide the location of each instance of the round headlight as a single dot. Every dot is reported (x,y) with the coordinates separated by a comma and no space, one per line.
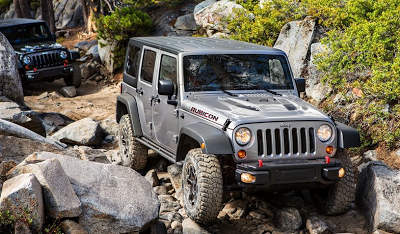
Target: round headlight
(63,55)
(324,132)
(27,60)
(243,136)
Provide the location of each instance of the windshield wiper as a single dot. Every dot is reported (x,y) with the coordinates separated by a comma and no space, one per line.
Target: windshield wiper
(229,93)
(272,92)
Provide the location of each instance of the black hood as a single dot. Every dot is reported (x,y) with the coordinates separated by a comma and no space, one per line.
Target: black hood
(37,47)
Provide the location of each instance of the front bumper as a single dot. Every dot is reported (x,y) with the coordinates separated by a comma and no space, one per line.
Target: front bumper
(285,172)
(49,72)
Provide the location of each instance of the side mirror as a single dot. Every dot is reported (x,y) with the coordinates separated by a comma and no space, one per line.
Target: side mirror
(166,87)
(301,84)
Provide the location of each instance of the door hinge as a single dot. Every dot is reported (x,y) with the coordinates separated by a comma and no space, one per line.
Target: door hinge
(175,138)
(150,125)
(176,112)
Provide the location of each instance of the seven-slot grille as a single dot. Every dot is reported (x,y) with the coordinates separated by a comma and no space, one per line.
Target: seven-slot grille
(46,60)
(278,142)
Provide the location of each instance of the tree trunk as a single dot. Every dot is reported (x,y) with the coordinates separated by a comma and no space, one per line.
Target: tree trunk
(17,9)
(85,14)
(25,8)
(52,19)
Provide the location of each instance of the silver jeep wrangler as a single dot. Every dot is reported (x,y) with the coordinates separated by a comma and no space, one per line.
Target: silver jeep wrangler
(230,112)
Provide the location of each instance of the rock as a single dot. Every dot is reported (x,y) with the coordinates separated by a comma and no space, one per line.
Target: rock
(110,126)
(213,16)
(83,132)
(68,13)
(23,194)
(160,190)
(317,226)
(168,203)
(295,39)
(175,173)
(10,83)
(175,225)
(370,155)
(171,216)
(159,228)
(43,96)
(53,122)
(71,227)
(191,227)
(163,19)
(113,157)
(106,54)
(203,5)
(10,129)
(182,212)
(30,120)
(89,69)
(68,91)
(5,166)
(236,209)
(59,196)
(186,22)
(288,219)
(316,89)
(114,199)
(223,216)
(8,110)
(89,154)
(85,45)
(256,215)
(266,227)
(21,228)
(378,197)
(94,51)
(151,177)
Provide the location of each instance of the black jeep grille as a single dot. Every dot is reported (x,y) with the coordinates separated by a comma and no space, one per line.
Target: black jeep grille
(286,142)
(46,60)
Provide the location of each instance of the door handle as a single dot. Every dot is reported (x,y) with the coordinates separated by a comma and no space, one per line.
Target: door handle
(154,99)
(139,91)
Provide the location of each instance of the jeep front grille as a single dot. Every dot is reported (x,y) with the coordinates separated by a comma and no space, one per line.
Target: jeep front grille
(278,142)
(46,60)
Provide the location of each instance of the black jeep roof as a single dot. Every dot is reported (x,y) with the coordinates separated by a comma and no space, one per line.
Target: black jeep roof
(200,44)
(18,21)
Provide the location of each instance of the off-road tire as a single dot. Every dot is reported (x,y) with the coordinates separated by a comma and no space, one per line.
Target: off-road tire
(75,79)
(133,153)
(202,186)
(337,199)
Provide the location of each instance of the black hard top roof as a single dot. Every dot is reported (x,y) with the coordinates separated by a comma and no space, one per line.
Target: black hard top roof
(200,44)
(18,21)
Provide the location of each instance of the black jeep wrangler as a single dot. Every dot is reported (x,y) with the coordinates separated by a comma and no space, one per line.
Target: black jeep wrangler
(39,57)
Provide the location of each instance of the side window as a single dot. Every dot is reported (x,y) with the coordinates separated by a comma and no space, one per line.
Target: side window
(168,69)
(149,60)
(132,65)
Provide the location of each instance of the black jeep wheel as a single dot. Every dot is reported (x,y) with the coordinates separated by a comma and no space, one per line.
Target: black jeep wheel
(75,79)
(337,199)
(133,153)
(202,186)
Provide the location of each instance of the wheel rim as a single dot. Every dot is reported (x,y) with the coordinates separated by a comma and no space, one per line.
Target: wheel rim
(125,143)
(191,185)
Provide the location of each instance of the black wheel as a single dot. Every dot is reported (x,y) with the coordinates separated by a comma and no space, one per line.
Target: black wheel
(202,186)
(133,153)
(337,199)
(75,79)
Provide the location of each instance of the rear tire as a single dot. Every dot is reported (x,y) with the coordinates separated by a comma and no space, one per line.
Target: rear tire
(133,153)
(202,186)
(75,79)
(337,199)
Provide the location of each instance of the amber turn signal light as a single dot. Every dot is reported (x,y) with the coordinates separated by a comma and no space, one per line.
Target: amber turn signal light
(242,154)
(329,150)
(248,178)
(342,172)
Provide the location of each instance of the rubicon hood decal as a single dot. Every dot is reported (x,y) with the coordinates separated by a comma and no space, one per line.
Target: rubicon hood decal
(204,114)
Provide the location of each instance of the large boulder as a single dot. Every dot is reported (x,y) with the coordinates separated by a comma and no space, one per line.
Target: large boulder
(378,197)
(316,89)
(59,196)
(23,193)
(114,199)
(83,132)
(68,13)
(106,53)
(212,16)
(186,22)
(295,40)
(10,83)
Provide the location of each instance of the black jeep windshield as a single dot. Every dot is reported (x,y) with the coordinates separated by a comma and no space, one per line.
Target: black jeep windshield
(236,72)
(26,34)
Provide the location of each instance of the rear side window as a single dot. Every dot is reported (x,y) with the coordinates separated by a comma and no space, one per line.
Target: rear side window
(132,65)
(149,60)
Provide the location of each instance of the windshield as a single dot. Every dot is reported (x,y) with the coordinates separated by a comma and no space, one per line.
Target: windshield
(27,33)
(236,72)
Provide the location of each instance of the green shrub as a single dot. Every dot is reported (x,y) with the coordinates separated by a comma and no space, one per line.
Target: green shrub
(4,4)
(121,25)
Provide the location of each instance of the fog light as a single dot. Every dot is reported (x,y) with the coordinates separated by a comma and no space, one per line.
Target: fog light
(342,172)
(203,145)
(329,150)
(71,69)
(247,178)
(242,154)
(30,77)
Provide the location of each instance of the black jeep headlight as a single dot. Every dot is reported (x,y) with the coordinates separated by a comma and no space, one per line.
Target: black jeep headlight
(324,132)
(63,55)
(243,136)
(27,60)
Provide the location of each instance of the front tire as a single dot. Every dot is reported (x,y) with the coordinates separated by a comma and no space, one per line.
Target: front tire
(133,153)
(202,186)
(75,79)
(337,199)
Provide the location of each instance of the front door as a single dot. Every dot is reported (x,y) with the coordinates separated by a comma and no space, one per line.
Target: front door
(165,116)
(145,89)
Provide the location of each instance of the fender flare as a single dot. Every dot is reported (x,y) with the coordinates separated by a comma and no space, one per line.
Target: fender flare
(215,140)
(74,54)
(126,104)
(348,137)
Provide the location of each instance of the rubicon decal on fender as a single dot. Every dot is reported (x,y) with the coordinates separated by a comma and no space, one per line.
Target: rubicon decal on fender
(205,114)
